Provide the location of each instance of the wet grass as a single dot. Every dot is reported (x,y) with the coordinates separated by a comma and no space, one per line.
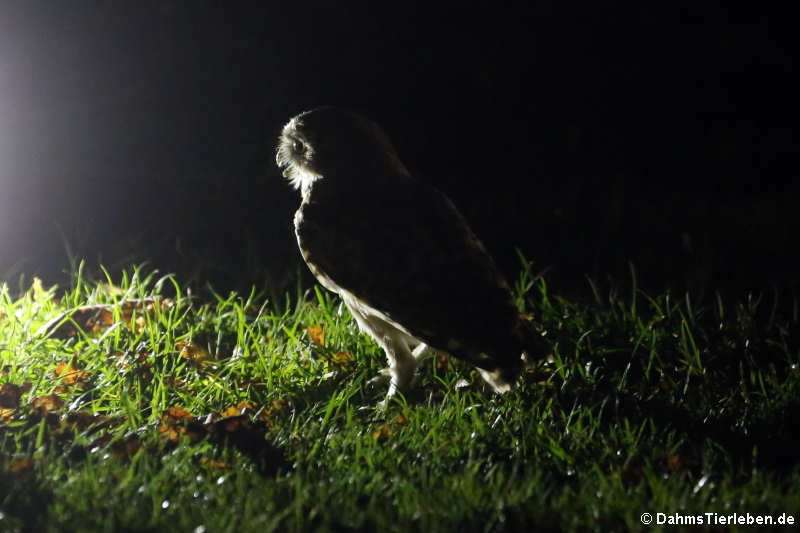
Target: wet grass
(154,410)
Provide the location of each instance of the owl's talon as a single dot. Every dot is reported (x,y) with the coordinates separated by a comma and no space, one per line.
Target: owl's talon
(384,376)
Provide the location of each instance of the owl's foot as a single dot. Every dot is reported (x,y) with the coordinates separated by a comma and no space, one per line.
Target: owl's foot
(386,376)
(383,377)
(402,373)
(501,379)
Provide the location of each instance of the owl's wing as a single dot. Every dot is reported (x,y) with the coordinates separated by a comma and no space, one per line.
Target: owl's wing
(405,250)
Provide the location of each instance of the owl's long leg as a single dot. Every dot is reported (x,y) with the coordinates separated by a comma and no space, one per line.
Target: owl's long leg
(420,353)
(402,363)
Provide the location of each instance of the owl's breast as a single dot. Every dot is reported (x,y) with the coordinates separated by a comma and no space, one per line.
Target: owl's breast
(306,239)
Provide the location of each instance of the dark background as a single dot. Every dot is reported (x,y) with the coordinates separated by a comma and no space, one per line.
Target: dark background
(587,138)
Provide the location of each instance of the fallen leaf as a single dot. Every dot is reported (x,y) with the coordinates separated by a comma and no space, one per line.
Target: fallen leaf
(214,465)
(176,421)
(341,359)
(280,403)
(401,419)
(9,395)
(192,351)
(81,420)
(126,447)
(46,404)
(316,334)
(170,433)
(95,318)
(69,374)
(232,411)
(86,318)
(6,415)
(382,432)
(674,463)
(178,413)
(22,464)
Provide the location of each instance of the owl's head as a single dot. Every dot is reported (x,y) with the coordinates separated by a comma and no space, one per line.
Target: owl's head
(330,141)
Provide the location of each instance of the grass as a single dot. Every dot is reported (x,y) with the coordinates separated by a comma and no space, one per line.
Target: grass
(154,410)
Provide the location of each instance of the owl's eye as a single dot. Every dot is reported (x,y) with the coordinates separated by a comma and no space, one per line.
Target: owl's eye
(298,146)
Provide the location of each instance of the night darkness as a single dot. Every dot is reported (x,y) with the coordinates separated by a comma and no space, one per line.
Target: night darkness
(134,131)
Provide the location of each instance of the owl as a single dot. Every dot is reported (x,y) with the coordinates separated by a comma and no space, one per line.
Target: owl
(399,254)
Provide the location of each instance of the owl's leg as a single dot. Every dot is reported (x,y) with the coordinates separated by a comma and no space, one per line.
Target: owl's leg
(402,364)
(396,374)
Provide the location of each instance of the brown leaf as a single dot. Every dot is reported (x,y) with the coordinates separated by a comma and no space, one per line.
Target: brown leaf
(316,334)
(193,351)
(9,395)
(82,420)
(232,411)
(170,433)
(382,432)
(211,464)
(101,441)
(342,360)
(176,421)
(268,412)
(441,362)
(86,318)
(69,374)
(46,404)
(178,413)
(6,415)
(126,447)
(234,423)
(280,404)
(401,419)
(95,318)
(674,463)
(21,465)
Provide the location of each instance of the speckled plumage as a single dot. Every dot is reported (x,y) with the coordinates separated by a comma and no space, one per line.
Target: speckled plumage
(397,251)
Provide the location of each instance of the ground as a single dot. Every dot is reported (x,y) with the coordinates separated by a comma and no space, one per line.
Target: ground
(154,410)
